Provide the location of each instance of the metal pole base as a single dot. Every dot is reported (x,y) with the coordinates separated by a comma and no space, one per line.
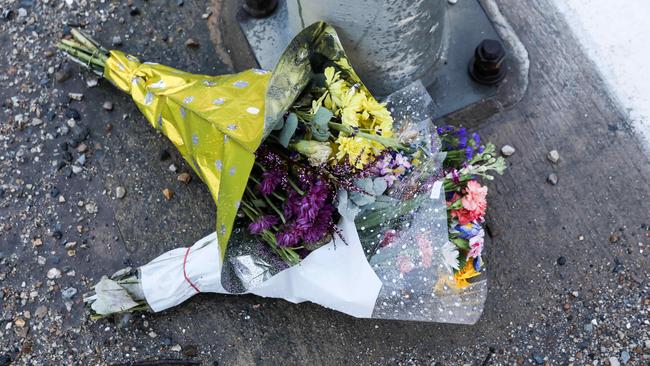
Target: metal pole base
(457,97)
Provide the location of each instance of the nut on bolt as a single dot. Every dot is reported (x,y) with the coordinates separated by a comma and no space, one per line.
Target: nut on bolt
(260,8)
(488,65)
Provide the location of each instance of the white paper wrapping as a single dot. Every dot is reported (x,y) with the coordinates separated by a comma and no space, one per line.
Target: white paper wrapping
(336,276)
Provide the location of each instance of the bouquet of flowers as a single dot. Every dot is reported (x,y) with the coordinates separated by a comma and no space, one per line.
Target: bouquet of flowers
(323,193)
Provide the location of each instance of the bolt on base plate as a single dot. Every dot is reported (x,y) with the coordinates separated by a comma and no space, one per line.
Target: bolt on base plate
(456,96)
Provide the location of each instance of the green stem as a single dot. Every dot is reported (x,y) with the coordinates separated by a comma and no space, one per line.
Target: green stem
(270,203)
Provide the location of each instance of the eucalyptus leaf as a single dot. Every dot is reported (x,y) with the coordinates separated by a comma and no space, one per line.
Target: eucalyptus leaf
(367,196)
(346,207)
(319,128)
(379,186)
(288,129)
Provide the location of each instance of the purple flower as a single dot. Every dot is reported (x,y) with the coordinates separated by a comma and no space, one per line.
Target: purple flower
(402,161)
(462,142)
(477,138)
(288,238)
(270,181)
(263,223)
(321,225)
(469,153)
(291,205)
(455,176)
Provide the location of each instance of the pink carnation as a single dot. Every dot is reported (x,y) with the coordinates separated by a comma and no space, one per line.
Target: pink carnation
(474,203)
(426,250)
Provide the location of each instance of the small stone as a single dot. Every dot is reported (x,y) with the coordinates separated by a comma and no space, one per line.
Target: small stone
(73,113)
(20,322)
(589,328)
(552,178)
(75,96)
(168,193)
(561,261)
(507,150)
(613,361)
(53,273)
(61,199)
(452,2)
(553,156)
(190,351)
(184,177)
(152,334)
(76,169)
(37,242)
(180,2)
(176,348)
(92,82)
(7,14)
(91,208)
(116,41)
(71,245)
(566,306)
(172,168)
(40,312)
(37,122)
(613,238)
(108,105)
(625,357)
(206,15)
(191,43)
(68,293)
(120,192)
(539,359)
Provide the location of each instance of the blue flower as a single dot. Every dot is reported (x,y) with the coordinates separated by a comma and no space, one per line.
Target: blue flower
(469,230)
(469,153)
(477,264)
(477,138)
(461,132)
(462,142)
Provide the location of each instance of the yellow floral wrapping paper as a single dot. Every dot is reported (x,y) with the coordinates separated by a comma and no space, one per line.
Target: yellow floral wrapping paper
(216,122)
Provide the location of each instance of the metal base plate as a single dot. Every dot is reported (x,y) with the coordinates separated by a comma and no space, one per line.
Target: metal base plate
(452,89)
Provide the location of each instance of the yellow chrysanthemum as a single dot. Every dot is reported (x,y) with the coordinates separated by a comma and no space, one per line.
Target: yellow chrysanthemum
(357,150)
(338,89)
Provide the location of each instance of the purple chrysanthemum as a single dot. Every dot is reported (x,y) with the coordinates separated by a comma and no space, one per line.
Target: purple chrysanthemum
(270,181)
(321,226)
(263,223)
(291,205)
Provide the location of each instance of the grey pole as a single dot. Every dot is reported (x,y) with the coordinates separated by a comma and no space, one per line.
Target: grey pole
(390,42)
